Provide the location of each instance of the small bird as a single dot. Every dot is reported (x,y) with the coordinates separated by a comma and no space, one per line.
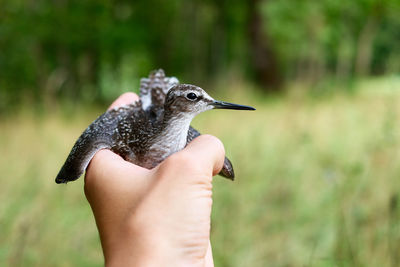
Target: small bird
(149,130)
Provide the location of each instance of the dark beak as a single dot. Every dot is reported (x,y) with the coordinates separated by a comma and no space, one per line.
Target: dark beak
(226,105)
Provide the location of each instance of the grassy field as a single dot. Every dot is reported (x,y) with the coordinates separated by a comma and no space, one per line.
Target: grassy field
(317,184)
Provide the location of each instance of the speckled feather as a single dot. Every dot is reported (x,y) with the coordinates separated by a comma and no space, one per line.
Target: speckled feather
(138,132)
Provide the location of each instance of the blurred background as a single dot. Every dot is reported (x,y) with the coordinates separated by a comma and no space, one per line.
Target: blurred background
(317,165)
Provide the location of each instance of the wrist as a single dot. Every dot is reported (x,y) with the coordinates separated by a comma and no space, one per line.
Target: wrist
(148,247)
(136,254)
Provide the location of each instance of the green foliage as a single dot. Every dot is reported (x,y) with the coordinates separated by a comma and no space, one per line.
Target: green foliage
(70,49)
(344,38)
(65,48)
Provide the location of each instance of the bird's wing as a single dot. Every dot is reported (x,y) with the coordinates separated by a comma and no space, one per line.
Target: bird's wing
(154,89)
(192,134)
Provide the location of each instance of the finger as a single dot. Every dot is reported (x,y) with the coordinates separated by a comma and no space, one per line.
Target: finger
(106,164)
(208,151)
(203,157)
(124,99)
(109,174)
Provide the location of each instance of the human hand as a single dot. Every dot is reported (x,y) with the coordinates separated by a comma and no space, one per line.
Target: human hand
(158,217)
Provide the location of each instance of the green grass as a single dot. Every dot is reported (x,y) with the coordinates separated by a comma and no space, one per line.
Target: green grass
(318,183)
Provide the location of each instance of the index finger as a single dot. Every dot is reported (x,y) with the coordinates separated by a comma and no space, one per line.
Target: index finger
(124,99)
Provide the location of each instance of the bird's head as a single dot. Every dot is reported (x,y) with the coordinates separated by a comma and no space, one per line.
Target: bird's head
(192,100)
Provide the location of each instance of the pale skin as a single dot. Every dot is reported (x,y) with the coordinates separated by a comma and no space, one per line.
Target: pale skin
(158,217)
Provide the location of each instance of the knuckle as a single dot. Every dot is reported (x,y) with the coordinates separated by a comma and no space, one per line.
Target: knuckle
(216,143)
(182,158)
(181,162)
(129,95)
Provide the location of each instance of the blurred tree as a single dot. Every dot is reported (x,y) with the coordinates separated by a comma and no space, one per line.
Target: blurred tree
(263,58)
(93,50)
(315,39)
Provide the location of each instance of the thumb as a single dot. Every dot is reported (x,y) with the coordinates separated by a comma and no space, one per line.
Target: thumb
(203,157)
(207,151)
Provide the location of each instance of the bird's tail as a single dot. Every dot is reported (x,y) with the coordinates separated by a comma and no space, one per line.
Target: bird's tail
(227,170)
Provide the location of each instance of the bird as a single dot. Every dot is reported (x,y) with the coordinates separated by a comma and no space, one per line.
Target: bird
(149,130)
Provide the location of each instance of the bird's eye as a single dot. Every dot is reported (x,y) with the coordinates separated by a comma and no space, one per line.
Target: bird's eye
(191,96)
